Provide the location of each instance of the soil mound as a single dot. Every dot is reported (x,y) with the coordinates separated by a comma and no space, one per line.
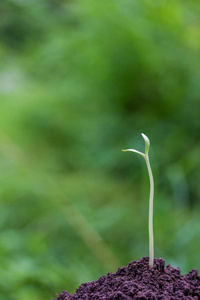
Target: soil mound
(137,281)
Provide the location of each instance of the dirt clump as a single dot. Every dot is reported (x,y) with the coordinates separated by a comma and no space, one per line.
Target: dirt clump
(137,281)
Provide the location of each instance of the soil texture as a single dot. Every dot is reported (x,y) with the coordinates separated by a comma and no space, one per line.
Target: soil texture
(137,281)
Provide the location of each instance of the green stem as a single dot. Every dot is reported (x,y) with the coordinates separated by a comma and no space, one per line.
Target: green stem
(151,239)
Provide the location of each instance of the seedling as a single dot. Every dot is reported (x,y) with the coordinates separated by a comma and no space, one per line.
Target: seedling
(146,157)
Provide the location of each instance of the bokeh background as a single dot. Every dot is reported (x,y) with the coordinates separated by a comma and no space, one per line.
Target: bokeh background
(79,81)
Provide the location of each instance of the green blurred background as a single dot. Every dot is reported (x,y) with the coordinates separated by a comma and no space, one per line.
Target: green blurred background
(79,81)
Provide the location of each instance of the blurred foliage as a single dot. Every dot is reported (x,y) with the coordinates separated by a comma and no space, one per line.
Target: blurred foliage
(79,81)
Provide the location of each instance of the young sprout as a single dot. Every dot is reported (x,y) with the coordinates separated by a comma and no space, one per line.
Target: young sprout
(146,157)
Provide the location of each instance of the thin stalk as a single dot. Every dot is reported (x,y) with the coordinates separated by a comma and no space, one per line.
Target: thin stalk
(151,239)
(151,194)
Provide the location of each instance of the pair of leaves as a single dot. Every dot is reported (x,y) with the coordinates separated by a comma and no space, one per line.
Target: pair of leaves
(147,146)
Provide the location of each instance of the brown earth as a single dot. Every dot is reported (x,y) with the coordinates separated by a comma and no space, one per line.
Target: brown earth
(137,281)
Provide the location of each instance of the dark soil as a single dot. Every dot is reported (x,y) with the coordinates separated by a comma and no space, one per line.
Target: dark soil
(137,281)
